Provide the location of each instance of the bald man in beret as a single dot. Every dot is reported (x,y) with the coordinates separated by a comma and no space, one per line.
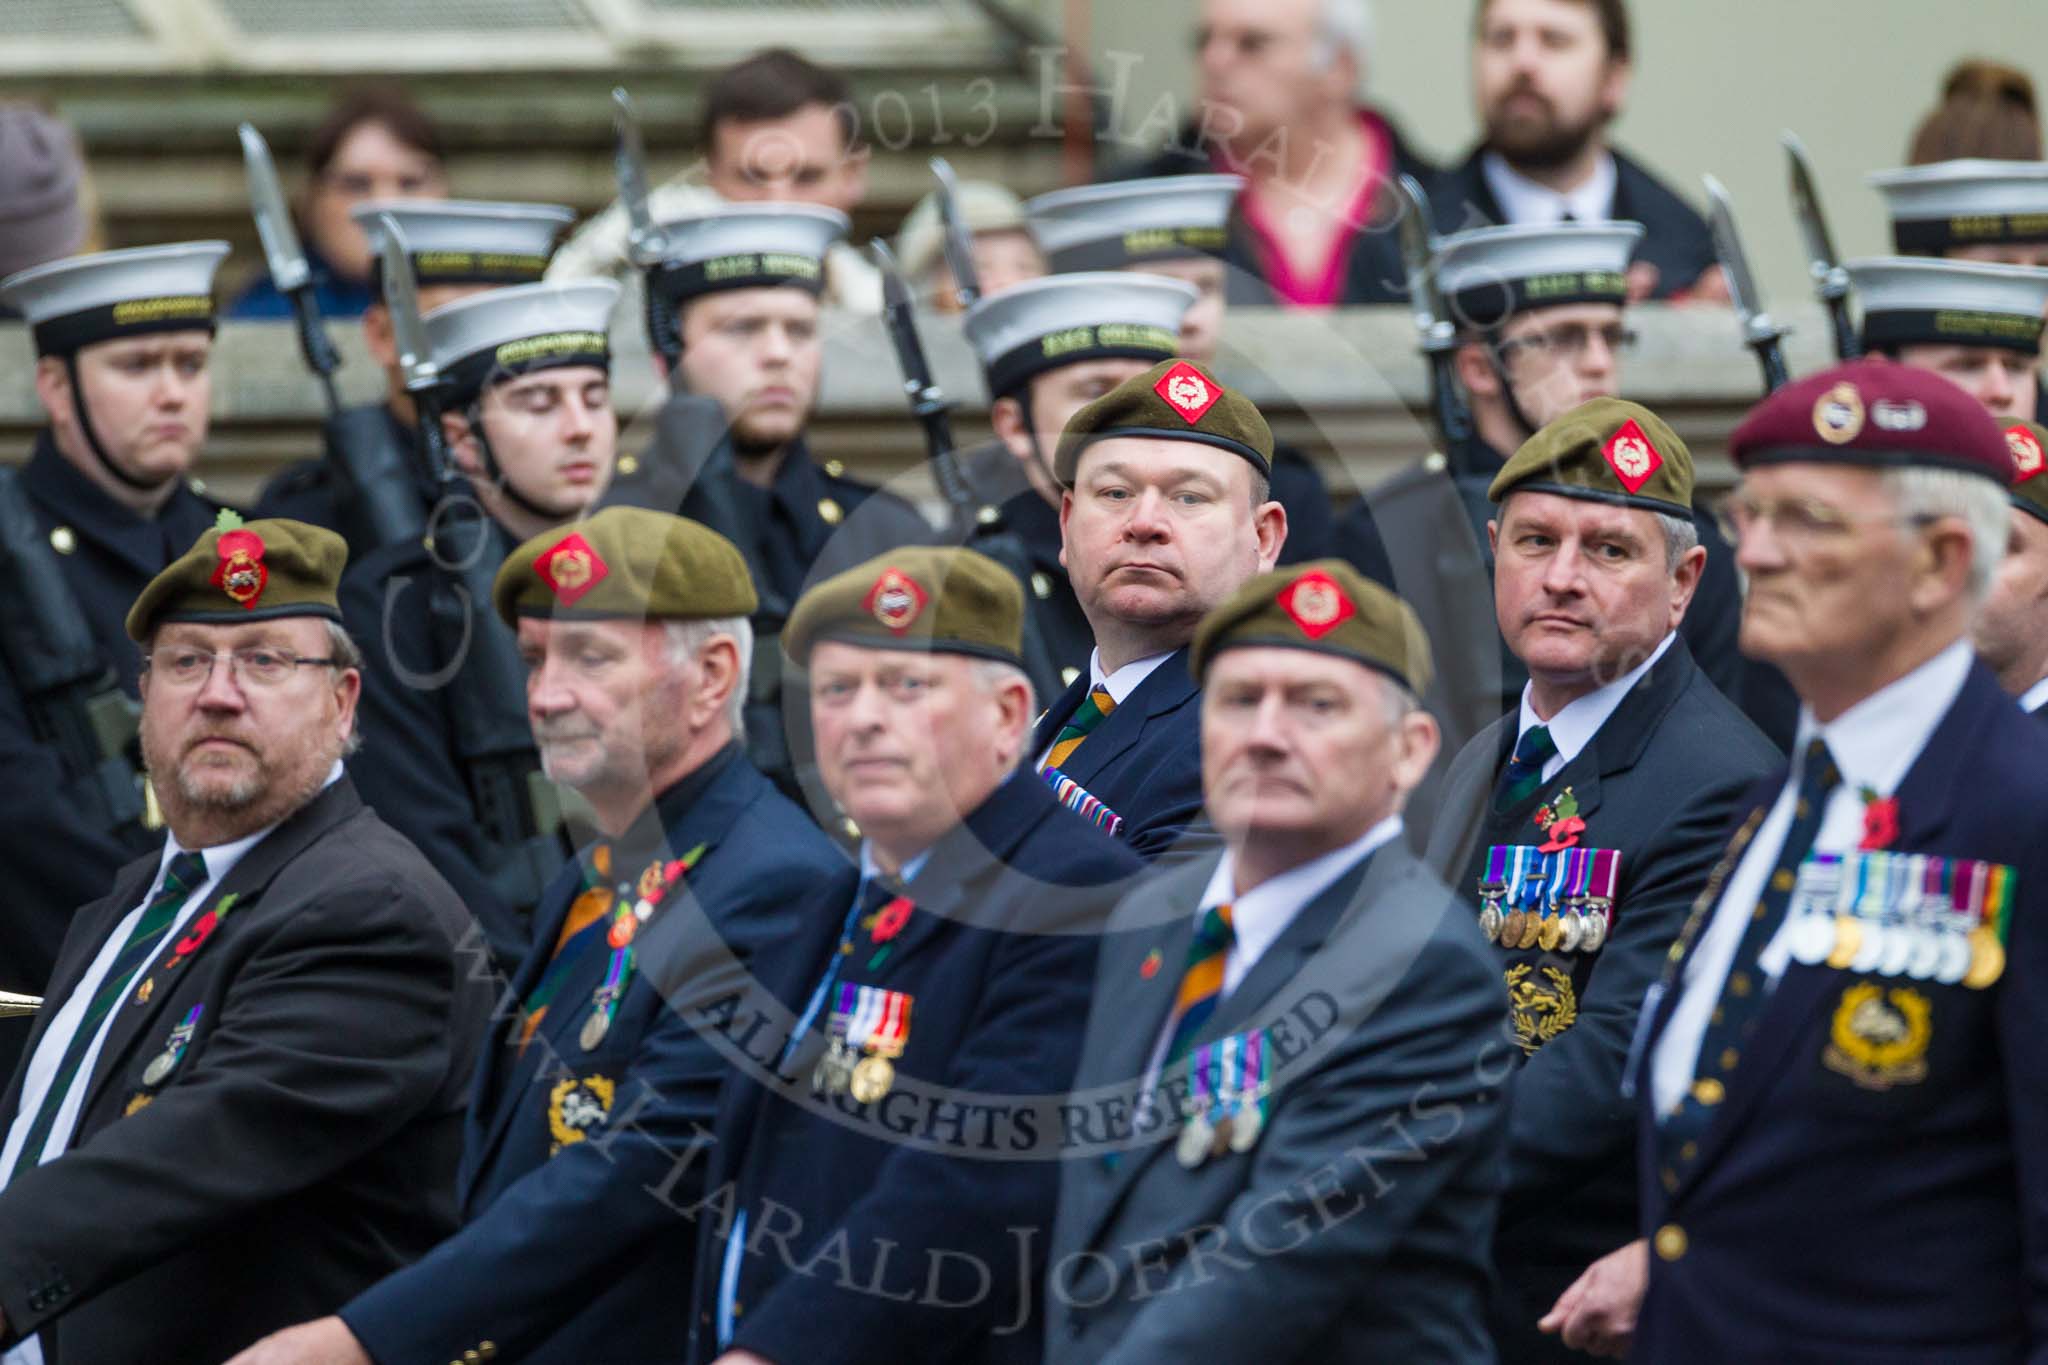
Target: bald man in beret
(243,1099)
(1586,820)
(594,1097)
(1843,1136)
(885,1169)
(1286,1131)
(1166,510)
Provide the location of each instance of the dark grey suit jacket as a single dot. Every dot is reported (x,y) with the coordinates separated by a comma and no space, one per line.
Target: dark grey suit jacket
(1357,1229)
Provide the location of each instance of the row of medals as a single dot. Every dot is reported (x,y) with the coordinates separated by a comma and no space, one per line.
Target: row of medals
(1975,958)
(1202,1139)
(1579,925)
(842,1071)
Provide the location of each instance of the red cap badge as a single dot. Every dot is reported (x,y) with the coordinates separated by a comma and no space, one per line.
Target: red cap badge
(1631,456)
(2027,457)
(1187,391)
(240,573)
(571,569)
(1316,603)
(895,600)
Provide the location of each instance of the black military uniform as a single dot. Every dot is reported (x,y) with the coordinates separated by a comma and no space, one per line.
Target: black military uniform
(60,842)
(973,966)
(438,666)
(454,244)
(1135,225)
(272,1117)
(595,1030)
(1675,237)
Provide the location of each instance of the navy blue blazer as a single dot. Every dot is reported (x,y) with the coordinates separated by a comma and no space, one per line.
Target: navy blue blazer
(952,1175)
(1828,1220)
(565,1255)
(1144,761)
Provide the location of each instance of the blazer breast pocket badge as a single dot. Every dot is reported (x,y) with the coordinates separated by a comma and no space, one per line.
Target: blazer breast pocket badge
(577,1107)
(1879,1035)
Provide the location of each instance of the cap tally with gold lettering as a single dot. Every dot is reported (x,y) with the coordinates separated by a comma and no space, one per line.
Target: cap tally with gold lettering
(2028,442)
(245,571)
(1877,413)
(81,300)
(1175,400)
(1127,223)
(925,599)
(747,246)
(1916,300)
(1972,202)
(465,241)
(1606,450)
(1326,607)
(1491,274)
(625,563)
(1041,325)
(508,332)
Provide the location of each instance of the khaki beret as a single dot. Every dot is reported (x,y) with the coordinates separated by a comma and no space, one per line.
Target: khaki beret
(1326,607)
(1607,450)
(923,598)
(2029,444)
(626,563)
(245,571)
(1175,400)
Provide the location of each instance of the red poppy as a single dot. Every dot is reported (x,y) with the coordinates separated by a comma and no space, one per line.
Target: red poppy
(1880,823)
(890,921)
(202,928)
(1563,835)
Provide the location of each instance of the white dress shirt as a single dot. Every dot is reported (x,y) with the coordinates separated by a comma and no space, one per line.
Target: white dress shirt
(2035,697)
(1576,722)
(56,1040)
(1525,203)
(1259,916)
(1874,744)
(1119,684)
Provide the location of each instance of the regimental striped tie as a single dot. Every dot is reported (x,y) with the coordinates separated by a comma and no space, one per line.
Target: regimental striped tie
(587,909)
(1524,771)
(1201,985)
(1089,714)
(186,874)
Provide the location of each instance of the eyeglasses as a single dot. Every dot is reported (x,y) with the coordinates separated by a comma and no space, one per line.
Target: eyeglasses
(260,667)
(1569,342)
(1799,523)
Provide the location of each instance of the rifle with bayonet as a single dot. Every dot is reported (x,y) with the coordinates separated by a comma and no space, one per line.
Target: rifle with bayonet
(966,513)
(1433,328)
(516,808)
(382,503)
(1759,332)
(1830,280)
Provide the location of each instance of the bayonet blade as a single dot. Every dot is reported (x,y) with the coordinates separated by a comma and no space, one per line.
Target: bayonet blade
(402,298)
(645,244)
(1742,290)
(1822,262)
(288,268)
(1418,248)
(958,244)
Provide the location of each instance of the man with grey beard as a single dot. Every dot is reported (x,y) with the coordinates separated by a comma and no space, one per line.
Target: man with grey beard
(242,1102)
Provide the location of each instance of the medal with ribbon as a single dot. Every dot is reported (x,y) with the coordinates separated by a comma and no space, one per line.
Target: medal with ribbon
(1228,1098)
(161,1065)
(604,1001)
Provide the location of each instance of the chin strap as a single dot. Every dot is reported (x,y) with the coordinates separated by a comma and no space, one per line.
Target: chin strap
(1507,393)
(92,439)
(1037,457)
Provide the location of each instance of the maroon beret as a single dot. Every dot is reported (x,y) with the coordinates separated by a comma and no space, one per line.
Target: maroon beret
(1874,412)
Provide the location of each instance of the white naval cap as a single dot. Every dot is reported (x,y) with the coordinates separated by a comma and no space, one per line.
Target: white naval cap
(1908,300)
(520,328)
(85,299)
(1042,324)
(1973,202)
(748,246)
(1488,275)
(1127,222)
(466,241)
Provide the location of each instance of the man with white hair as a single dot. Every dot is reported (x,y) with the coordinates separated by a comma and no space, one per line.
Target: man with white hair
(1278,104)
(1843,1058)
(594,1085)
